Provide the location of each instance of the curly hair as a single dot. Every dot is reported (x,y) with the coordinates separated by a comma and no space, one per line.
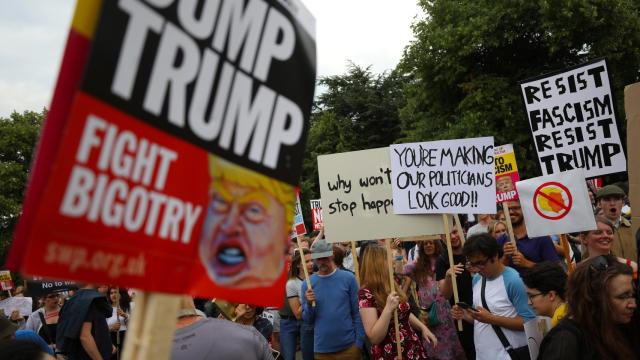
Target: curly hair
(294,269)
(590,306)
(425,263)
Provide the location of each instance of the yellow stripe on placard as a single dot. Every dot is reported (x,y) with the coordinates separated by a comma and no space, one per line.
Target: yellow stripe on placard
(85,17)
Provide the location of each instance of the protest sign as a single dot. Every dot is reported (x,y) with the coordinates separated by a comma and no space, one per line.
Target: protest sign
(447,176)
(573,122)
(556,204)
(23,304)
(506,173)
(37,288)
(6,283)
(188,125)
(356,194)
(316,215)
(298,228)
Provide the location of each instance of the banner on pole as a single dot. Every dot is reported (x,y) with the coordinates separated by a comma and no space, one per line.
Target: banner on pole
(444,177)
(506,173)
(316,215)
(573,122)
(556,204)
(183,144)
(358,201)
(298,228)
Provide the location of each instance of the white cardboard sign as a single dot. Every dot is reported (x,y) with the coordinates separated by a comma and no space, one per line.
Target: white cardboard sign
(446,176)
(573,122)
(357,199)
(556,204)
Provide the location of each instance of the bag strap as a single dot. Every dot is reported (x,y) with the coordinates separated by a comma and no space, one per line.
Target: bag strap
(496,328)
(45,328)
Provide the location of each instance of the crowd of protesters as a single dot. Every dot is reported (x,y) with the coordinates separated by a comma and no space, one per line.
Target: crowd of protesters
(336,314)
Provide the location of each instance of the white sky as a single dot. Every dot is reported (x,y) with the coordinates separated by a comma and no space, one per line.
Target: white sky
(33,33)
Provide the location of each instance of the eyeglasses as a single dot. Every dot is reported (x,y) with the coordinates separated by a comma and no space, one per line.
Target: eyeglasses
(52,296)
(532,296)
(478,264)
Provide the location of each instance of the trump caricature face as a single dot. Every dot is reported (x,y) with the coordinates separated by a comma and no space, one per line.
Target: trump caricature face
(244,236)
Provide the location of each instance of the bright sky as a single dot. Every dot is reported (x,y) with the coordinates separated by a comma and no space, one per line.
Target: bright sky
(33,33)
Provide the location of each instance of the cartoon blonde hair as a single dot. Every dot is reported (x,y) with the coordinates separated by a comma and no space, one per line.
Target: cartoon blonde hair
(222,171)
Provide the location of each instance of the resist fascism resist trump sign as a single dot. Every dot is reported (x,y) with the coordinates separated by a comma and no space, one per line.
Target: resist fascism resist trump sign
(181,151)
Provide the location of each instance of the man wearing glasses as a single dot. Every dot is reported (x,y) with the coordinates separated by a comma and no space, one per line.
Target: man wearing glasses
(500,304)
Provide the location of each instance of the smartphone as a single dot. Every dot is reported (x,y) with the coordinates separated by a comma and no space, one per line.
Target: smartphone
(466,306)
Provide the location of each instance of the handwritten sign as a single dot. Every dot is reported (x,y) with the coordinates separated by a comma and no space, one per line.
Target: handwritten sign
(24,305)
(556,204)
(573,121)
(316,215)
(358,201)
(447,176)
(506,173)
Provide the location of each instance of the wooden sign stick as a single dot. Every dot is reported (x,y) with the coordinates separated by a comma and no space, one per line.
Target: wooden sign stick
(565,249)
(507,219)
(356,267)
(392,282)
(150,331)
(454,284)
(304,267)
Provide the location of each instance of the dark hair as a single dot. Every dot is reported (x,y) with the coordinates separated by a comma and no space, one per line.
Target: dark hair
(484,244)
(546,276)
(338,255)
(20,350)
(125,299)
(425,263)
(590,306)
(294,269)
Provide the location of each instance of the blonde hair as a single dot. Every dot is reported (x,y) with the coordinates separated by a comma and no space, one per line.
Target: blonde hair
(374,275)
(493,224)
(222,171)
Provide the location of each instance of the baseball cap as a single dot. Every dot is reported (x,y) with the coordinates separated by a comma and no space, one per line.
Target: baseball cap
(321,249)
(610,190)
(7,328)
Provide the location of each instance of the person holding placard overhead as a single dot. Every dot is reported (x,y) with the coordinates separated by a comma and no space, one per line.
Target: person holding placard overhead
(337,332)
(377,302)
(528,251)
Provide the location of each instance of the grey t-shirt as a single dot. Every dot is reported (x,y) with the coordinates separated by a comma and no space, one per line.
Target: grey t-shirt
(219,339)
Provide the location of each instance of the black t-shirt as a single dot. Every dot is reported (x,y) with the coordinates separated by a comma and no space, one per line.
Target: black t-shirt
(100,333)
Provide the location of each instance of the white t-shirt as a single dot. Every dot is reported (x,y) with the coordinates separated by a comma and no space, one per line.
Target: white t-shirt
(505,296)
(112,320)
(478,228)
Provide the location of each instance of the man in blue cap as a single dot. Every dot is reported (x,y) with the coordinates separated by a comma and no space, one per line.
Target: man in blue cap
(338,331)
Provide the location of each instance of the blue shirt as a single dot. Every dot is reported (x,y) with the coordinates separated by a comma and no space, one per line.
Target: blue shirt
(336,317)
(535,249)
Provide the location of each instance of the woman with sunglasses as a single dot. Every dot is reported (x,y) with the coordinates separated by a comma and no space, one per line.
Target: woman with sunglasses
(45,320)
(599,242)
(435,308)
(601,321)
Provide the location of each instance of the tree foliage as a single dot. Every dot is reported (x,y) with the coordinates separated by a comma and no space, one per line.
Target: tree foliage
(18,136)
(468,56)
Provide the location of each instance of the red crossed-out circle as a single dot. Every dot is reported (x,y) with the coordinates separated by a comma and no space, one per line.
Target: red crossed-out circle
(539,192)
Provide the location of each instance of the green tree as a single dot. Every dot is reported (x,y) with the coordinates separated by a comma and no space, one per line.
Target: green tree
(18,136)
(468,57)
(358,110)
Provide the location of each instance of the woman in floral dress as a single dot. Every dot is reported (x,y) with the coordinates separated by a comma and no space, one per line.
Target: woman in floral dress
(422,272)
(377,303)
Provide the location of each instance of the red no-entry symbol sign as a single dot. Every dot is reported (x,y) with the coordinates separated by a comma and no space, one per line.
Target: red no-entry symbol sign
(552,200)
